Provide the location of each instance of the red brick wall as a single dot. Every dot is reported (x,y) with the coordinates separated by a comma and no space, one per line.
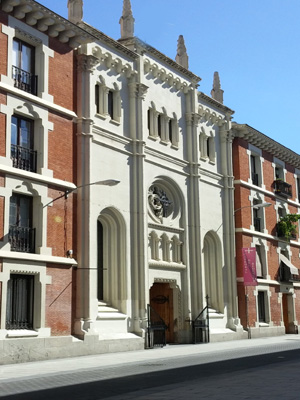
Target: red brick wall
(273,259)
(61,148)
(275,307)
(3,45)
(61,73)
(59,300)
(60,224)
(240,160)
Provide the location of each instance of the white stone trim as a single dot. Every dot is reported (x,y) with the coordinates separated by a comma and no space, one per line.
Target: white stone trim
(41,280)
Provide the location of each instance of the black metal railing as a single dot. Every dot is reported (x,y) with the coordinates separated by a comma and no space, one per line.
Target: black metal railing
(23,158)
(255,179)
(282,188)
(21,239)
(201,326)
(156,329)
(19,307)
(24,80)
(257,224)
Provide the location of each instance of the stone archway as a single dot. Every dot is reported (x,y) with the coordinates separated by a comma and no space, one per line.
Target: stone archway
(111,259)
(213,271)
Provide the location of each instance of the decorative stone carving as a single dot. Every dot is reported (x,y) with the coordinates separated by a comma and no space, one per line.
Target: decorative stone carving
(181,56)
(217,92)
(87,63)
(159,204)
(75,8)
(127,21)
(168,78)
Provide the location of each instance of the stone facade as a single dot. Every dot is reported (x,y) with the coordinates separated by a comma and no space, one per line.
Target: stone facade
(121,202)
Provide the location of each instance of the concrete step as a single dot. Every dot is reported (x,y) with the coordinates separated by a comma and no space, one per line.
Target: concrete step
(110,321)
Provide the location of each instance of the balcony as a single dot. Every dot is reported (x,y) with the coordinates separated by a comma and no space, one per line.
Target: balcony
(282,188)
(23,158)
(21,239)
(24,80)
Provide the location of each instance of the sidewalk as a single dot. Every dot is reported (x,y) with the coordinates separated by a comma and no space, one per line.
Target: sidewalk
(197,354)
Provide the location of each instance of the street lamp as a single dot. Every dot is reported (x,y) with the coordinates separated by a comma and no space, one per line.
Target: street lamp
(107,182)
(255,206)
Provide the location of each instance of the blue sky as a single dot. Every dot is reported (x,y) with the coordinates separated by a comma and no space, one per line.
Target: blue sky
(253,44)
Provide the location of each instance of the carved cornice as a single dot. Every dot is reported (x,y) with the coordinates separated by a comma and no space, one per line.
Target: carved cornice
(265,143)
(209,115)
(101,36)
(142,47)
(46,21)
(164,76)
(113,62)
(214,103)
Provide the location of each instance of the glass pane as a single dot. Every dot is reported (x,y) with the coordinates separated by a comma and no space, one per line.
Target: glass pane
(26,58)
(14,131)
(15,55)
(13,211)
(24,212)
(25,134)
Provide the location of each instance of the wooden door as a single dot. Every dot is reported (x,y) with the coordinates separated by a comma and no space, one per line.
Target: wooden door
(287,305)
(161,300)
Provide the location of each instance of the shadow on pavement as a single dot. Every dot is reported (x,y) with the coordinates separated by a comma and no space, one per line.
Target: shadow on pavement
(120,386)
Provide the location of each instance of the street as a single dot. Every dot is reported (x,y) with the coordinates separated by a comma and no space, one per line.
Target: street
(241,373)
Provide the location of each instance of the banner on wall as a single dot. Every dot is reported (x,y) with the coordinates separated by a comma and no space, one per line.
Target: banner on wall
(249,266)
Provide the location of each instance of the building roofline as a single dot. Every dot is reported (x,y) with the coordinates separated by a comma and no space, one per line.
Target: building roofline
(44,20)
(142,47)
(264,142)
(107,39)
(215,103)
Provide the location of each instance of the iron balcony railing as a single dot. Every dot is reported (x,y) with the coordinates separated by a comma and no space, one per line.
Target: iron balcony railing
(282,188)
(21,239)
(23,158)
(24,80)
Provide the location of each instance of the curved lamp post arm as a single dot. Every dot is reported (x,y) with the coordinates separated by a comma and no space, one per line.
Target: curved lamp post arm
(256,206)
(107,182)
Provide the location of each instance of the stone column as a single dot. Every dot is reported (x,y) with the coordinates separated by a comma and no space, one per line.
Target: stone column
(138,230)
(85,276)
(230,287)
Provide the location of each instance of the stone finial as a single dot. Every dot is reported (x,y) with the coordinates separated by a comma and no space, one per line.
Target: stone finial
(75,8)
(127,21)
(217,92)
(181,56)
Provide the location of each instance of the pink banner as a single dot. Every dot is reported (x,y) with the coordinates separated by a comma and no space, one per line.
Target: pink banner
(249,260)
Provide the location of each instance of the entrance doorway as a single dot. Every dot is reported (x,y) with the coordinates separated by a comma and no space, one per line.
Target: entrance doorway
(287,309)
(161,300)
